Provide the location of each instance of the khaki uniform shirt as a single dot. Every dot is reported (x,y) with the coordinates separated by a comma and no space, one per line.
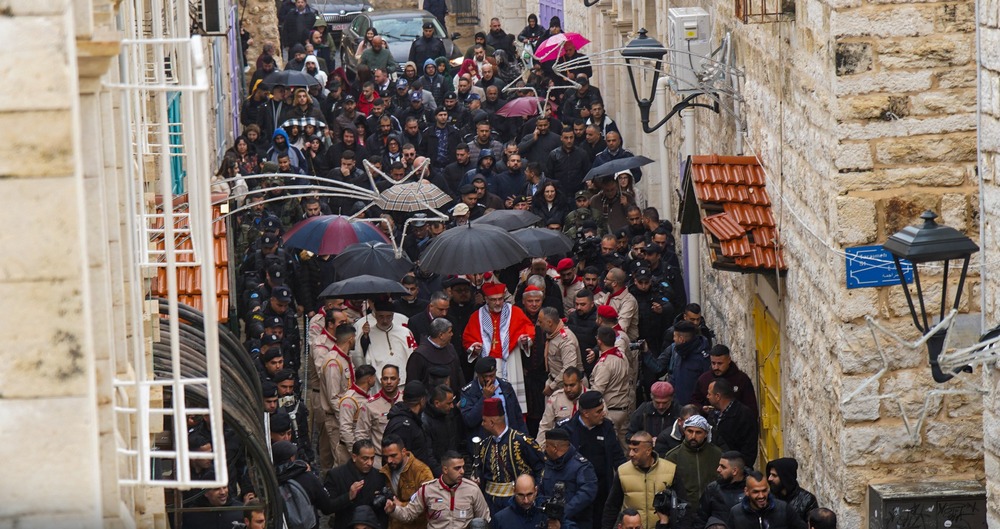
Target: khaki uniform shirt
(445,508)
(611,377)
(335,371)
(569,294)
(562,350)
(558,408)
(628,311)
(373,419)
(351,405)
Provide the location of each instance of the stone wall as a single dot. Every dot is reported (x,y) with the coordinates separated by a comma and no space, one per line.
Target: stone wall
(260,19)
(863,114)
(989,135)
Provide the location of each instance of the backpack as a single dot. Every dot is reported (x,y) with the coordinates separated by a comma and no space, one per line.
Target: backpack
(299,511)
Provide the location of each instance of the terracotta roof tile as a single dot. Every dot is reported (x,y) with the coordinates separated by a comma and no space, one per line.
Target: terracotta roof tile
(724,227)
(745,231)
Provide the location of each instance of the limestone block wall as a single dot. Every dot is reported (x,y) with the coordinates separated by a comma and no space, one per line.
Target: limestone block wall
(989,135)
(863,114)
(48,412)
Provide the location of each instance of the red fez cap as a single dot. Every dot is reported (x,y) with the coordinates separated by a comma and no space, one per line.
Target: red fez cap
(492,407)
(607,312)
(565,264)
(493,289)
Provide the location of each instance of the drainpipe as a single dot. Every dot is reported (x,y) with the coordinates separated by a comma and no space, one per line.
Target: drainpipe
(666,184)
(692,243)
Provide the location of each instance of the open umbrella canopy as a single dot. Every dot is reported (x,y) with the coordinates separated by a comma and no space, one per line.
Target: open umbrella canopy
(411,197)
(508,219)
(290,78)
(617,166)
(373,258)
(543,242)
(553,48)
(330,234)
(302,122)
(363,286)
(471,249)
(521,107)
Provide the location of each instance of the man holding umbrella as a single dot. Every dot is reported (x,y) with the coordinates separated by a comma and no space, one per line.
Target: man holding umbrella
(499,330)
(388,341)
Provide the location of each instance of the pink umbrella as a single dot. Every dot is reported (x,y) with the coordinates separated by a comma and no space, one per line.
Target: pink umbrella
(552,48)
(521,107)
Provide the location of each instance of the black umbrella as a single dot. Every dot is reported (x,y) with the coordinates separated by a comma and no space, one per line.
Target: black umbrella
(617,166)
(508,219)
(543,242)
(290,78)
(373,258)
(363,286)
(471,249)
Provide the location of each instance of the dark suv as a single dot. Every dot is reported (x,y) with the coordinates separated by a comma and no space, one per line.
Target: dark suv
(340,13)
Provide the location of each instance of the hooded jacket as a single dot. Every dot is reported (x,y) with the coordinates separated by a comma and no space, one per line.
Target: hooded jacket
(295,156)
(696,466)
(408,426)
(799,500)
(684,363)
(299,471)
(742,385)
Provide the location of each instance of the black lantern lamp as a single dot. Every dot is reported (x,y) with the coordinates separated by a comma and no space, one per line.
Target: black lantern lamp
(925,244)
(645,49)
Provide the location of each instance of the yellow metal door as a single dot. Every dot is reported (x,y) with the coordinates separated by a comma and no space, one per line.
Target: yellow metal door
(767,342)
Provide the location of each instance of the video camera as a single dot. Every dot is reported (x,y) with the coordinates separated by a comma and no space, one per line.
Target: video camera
(382,496)
(555,506)
(665,502)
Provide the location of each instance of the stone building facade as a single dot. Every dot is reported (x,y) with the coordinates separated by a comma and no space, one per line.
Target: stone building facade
(68,276)
(989,159)
(863,114)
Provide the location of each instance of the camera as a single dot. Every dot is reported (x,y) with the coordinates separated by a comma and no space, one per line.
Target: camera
(555,506)
(665,502)
(637,345)
(382,496)
(287,401)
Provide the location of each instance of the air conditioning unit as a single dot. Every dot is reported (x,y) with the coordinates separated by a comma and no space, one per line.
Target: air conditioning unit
(210,16)
(927,505)
(689,38)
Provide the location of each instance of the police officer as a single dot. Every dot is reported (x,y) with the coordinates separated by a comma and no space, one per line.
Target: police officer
(280,305)
(568,470)
(505,454)
(289,402)
(595,435)
(655,307)
(484,386)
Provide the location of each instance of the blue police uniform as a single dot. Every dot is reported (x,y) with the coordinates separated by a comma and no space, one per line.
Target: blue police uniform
(472,407)
(580,482)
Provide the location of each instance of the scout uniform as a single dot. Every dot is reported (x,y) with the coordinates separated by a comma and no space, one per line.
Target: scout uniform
(611,377)
(446,507)
(562,350)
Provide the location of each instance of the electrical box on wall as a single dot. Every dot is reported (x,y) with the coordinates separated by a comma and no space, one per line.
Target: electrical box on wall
(952,504)
(689,38)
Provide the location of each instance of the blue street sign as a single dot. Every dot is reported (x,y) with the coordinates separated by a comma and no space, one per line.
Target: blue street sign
(872,266)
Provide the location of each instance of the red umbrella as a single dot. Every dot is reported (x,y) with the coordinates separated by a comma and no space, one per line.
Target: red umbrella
(552,48)
(521,107)
(330,234)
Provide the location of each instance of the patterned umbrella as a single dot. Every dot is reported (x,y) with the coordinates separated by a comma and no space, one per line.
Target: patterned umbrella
(330,234)
(552,48)
(411,197)
(291,78)
(302,122)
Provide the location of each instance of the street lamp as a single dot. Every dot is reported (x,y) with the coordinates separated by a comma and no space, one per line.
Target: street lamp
(929,243)
(638,53)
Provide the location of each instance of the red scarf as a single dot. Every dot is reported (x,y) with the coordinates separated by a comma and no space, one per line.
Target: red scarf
(360,391)
(610,352)
(619,291)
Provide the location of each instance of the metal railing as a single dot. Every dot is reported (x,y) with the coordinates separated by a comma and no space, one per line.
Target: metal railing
(159,58)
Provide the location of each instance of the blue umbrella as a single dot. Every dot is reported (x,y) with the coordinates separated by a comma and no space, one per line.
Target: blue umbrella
(330,234)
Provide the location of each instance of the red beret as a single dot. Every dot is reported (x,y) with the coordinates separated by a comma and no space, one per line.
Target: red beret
(492,407)
(493,289)
(607,312)
(565,264)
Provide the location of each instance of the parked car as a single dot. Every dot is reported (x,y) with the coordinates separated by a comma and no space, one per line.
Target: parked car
(340,13)
(399,28)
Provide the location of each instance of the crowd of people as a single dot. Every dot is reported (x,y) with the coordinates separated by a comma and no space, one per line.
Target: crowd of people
(579,390)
